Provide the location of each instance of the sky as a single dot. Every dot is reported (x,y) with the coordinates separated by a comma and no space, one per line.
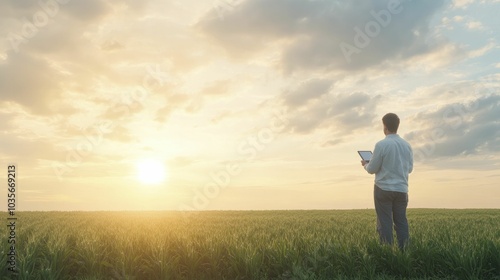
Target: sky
(245,104)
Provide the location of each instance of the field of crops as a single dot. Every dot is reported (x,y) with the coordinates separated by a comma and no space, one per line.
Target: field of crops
(445,244)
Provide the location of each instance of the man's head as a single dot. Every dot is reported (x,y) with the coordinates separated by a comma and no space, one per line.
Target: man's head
(391,123)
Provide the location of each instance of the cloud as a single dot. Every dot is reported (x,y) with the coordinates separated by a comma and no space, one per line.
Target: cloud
(462,4)
(454,92)
(181,161)
(87,10)
(217,88)
(174,102)
(457,129)
(49,26)
(481,51)
(29,81)
(443,55)
(86,51)
(308,90)
(448,22)
(339,114)
(111,45)
(46,52)
(474,25)
(27,151)
(310,33)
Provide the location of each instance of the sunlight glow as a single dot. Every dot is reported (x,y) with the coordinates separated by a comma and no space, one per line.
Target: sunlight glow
(151,171)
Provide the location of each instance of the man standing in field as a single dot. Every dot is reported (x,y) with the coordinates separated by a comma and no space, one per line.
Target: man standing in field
(392,162)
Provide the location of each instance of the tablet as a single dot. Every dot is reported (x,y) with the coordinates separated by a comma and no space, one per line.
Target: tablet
(365,155)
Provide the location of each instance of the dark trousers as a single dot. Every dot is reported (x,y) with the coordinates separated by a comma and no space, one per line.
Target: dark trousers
(391,208)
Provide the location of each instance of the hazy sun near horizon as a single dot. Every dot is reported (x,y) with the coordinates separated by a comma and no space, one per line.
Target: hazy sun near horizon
(151,171)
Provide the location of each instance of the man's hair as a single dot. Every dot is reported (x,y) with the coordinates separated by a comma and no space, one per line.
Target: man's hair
(391,121)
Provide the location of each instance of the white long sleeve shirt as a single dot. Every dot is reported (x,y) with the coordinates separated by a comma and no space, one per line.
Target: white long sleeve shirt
(392,162)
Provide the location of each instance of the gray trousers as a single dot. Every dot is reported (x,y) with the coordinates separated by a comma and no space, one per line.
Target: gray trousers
(391,208)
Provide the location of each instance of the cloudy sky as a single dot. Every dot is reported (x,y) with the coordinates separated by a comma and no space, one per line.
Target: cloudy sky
(246,104)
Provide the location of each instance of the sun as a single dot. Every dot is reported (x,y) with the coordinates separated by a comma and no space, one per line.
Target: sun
(151,171)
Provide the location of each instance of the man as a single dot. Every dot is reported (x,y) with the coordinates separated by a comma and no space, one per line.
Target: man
(392,162)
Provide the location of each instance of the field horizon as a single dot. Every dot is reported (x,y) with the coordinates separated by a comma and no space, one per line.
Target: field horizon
(241,210)
(258,244)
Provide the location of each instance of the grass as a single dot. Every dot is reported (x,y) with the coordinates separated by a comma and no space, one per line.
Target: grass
(337,244)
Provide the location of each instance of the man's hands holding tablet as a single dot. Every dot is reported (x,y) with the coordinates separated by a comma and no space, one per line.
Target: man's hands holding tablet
(366,156)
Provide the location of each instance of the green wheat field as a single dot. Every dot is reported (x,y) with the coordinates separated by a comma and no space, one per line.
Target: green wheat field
(329,244)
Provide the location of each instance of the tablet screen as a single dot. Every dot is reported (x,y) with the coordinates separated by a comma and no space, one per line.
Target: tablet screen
(365,155)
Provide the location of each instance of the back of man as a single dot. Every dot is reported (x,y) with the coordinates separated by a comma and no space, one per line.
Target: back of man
(392,161)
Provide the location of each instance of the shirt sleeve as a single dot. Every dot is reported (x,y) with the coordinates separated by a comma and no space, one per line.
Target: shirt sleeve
(376,162)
